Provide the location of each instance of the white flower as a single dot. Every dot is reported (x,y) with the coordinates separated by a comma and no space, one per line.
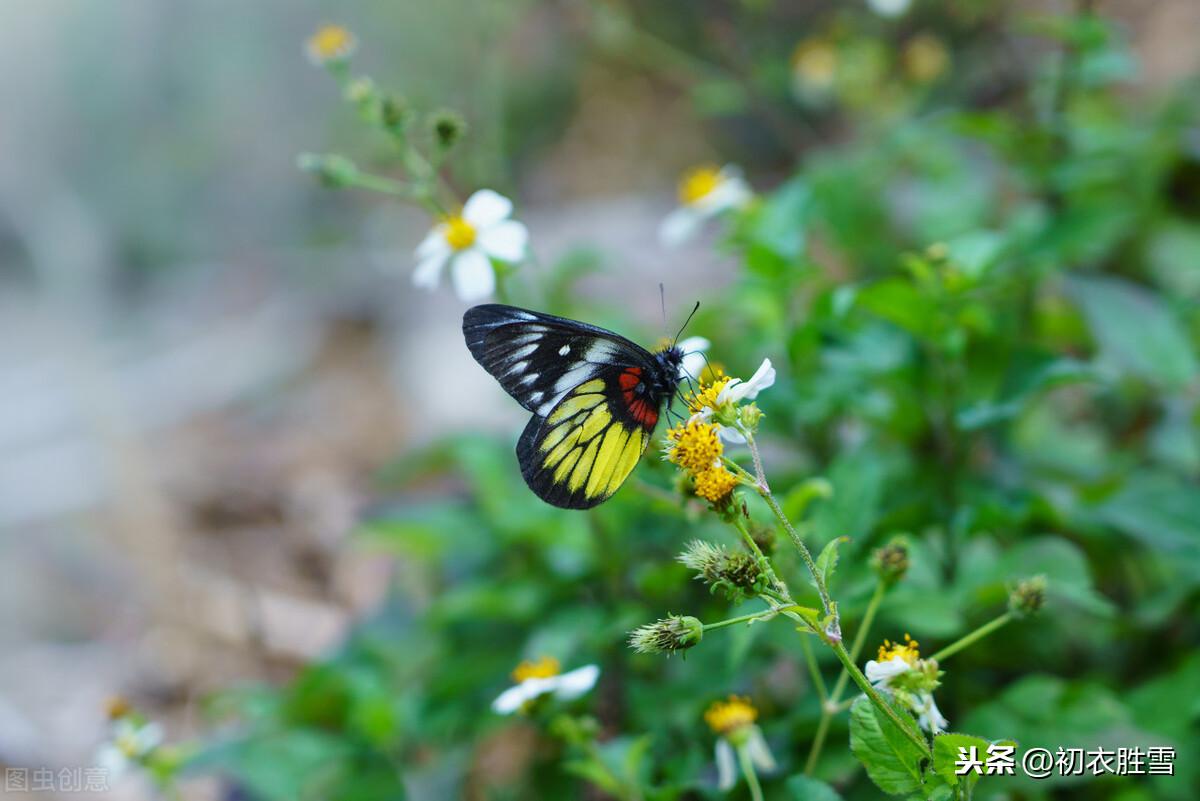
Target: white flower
(693,356)
(565,687)
(889,8)
(734,392)
(129,743)
(901,672)
(468,242)
(704,193)
(726,757)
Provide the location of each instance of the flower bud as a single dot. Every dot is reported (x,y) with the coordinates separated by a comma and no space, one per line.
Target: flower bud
(448,128)
(332,170)
(737,573)
(672,633)
(1027,597)
(394,113)
(891,561)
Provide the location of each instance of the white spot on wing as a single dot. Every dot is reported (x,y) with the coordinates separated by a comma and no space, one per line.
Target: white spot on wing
(564,350)
(529,379)
(521,353)
(519,367)
(535,397)
(573,377)
(524,338)
(600,352)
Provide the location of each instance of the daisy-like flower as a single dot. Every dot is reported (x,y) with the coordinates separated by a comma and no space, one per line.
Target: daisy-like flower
(704,192)
(718,402)
(131,742)
(899,670)
(468,242)
(331,43)
(695,447)
(889,8)
(733,723)
(540,677)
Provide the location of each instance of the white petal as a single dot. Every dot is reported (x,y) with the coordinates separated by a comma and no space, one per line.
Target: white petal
(111,760)
(694,345)
(930,717)
(759,753)
(702,416)
(505,240)
(474,278)
(882,672)
(763,378)
(726,765)
(433,243)
(577,682)
(486,208)
(679,226)
(514,698)
(731,435)
(430,270)
(148,737)
(732,192)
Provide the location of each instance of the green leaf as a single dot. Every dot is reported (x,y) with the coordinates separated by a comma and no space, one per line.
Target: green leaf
(1160,511)
(946,753)
(892,761)
(806,788)
(898,301)
(828,558)
(1136,330)
(1047,376)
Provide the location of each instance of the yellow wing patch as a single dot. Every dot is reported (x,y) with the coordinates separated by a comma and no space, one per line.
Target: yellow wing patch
(585,448)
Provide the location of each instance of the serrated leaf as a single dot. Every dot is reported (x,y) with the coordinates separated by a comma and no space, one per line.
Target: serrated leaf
(828,558)
(892,761)
(946,752)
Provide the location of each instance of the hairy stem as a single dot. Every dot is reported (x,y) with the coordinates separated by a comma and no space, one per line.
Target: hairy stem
(970,639)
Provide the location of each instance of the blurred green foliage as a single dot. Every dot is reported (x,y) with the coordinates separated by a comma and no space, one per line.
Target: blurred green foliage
(984,311)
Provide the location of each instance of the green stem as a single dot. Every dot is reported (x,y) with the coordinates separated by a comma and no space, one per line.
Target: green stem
(766,614)
(970,639)
(814,670)
(878,700)
(832,707)
(748,772)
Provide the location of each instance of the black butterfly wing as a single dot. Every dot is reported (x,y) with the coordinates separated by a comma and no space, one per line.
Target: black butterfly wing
(595,397)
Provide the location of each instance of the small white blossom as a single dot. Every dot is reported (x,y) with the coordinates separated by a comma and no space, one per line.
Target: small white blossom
(565,687)
(733,393)
(128,744)
(468,242)
(704,193)
(911,680)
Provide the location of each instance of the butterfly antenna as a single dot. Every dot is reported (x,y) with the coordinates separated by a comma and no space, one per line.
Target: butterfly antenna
(685,322)
(662,296)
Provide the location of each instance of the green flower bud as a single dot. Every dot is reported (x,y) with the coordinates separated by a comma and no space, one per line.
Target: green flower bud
(750,416)
(891,561)
(737,573)
(1027,597)
(448,128)
(672,633)
(394,113)
(332,170)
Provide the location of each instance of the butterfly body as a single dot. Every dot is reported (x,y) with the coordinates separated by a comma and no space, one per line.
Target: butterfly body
(595,397)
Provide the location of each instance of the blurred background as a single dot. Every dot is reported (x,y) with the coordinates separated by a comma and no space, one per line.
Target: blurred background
(206,358)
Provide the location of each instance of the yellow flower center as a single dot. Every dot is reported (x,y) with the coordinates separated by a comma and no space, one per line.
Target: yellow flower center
(541,668)
(694,446)
(724,717)
(707,396)
(906,650)
(715,485)
(460,234)
(698,183)
(331,41)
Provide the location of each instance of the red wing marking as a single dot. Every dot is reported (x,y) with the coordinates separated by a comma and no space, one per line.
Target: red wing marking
(639,409)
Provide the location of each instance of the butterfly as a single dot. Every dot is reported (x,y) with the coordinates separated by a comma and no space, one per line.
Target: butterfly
(595,396)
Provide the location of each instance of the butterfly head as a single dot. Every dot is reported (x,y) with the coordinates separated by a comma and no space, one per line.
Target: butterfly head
(669,360)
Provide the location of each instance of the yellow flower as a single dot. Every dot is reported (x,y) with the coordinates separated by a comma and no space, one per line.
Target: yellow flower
(725,717)
(907,650)
(715,485)
(925,58)
(331,43)
(694,446)
(542,668)
(698,183)
(707,396)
